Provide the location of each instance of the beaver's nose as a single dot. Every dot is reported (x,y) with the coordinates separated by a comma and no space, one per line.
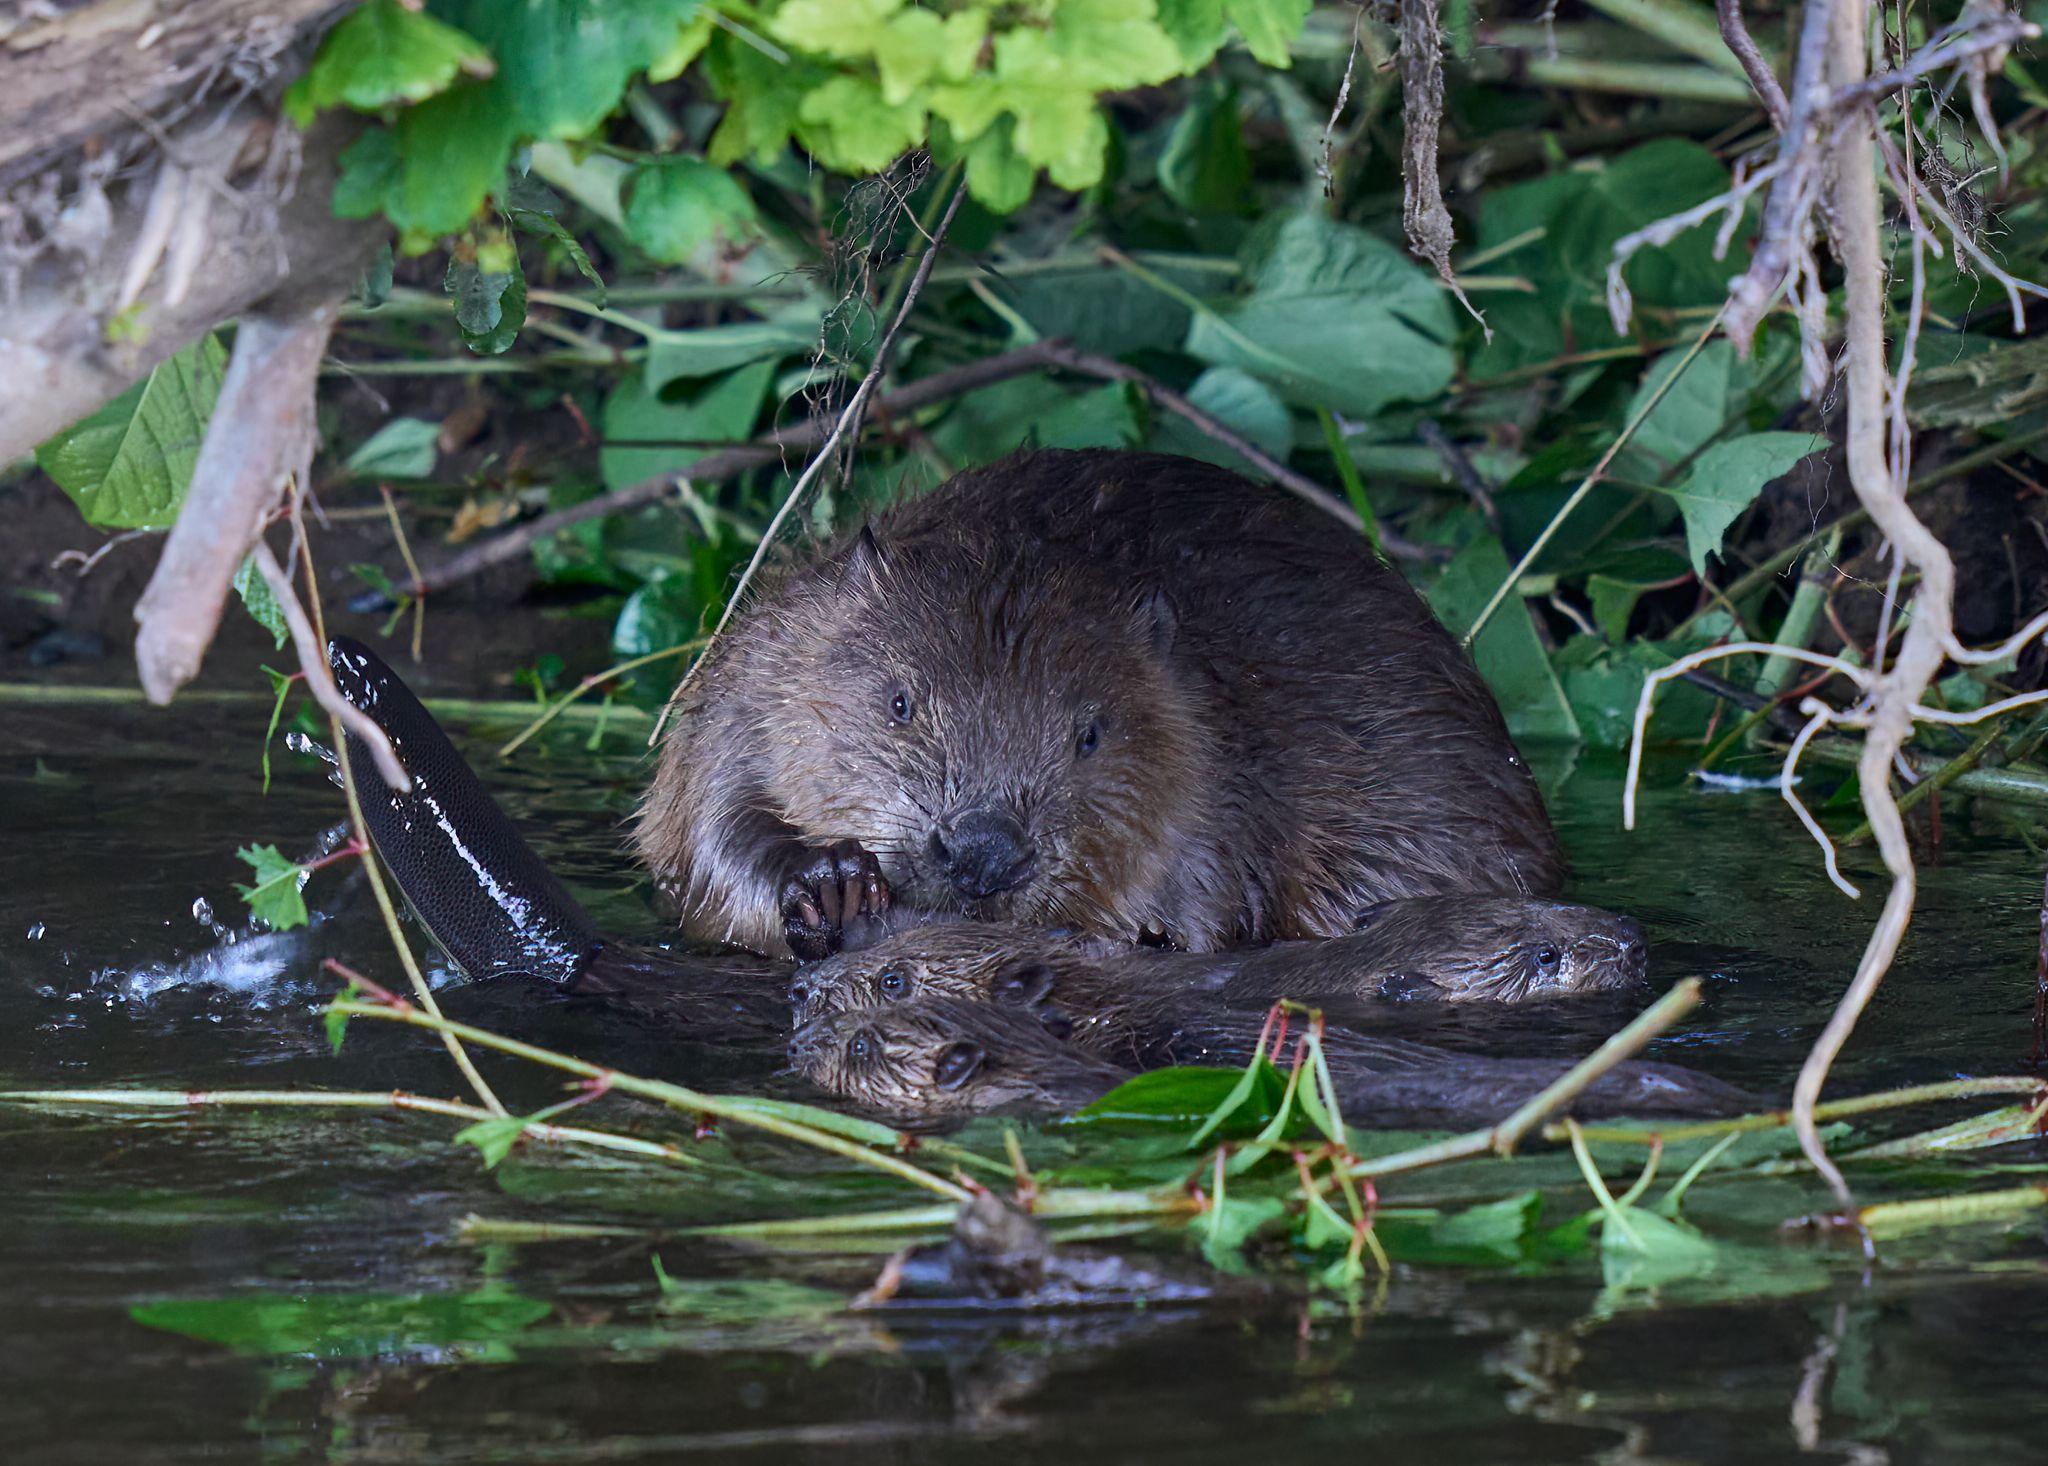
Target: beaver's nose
(984,852)
(1634,958)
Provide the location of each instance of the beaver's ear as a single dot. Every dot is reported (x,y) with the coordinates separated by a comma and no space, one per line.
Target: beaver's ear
(1026,985)
(1155,618)
(957,1064)
(862,563)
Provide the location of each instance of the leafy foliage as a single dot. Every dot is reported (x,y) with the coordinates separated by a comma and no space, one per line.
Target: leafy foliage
(128,465)
(275,899)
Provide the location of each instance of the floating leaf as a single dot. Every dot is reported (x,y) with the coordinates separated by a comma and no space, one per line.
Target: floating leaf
(275,899)
(348,1325)
(128,465)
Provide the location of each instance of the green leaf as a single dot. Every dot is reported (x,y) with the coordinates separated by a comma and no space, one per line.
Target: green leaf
(383,55)
(918,47)
(1640,1249)
(762,97)
(539,221)
(848,125)
(1269,26)
(274,900)
(563,65)
(490,304)
(1003,418)
(334,1021)
(743,1301)
(723,412)
(350,1325)
(1507,652)
(1184,1096)
(1198,29)
(1237,400)
(1726,479)
(846,28)
(998,176)
(1336,318)
(1205,168)
(1231,1222)
(128,465)
(1691,415)
(495,1137)
(448,156)
(709,351)
(405,447)
(262,605)
(678,207)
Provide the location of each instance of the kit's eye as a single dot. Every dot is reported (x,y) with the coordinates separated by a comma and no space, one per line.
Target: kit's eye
(894,983)
(901,707)
(862,1048)
(1547,957)
(1089,741)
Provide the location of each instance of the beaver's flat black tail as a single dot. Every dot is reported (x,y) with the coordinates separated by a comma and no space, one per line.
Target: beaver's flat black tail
(489,901)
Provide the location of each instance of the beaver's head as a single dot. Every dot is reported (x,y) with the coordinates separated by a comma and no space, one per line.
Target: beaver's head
(944,1057)
(1493,949)
(955,959)
(1012,744)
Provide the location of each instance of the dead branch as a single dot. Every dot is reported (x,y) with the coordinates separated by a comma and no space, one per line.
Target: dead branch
(1736,33)
(261,436)
(1423,213)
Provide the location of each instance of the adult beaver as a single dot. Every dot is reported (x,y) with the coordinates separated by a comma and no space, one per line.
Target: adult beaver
(945,1058)
(1457,949)
(1130,694)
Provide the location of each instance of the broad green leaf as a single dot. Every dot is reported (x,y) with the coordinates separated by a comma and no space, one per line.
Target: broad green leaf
(1507,652)
(1692,414)
(405,447)
(349,1325)
(849,126)
(710,351)
(261,604)
(563,65)
(1268,26)
(679,206)
(490,303)
(998,176)
(1491,1234)
(762,97)
(918,47)
(128,465)
(1197,27)
(1230,1223)
(846,28)
(1248,1098)
(383,55)
(274,900)
(1602,684)
(1726,479)
(1205,168)
(645,434)
(448,155)
(1237,400)
(1336,317)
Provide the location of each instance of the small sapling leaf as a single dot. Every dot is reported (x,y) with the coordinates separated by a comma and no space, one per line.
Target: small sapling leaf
(335,1020)
(495,1138)
(275,899)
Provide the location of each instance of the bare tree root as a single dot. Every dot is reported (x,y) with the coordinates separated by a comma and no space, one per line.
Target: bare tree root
(1423,213)
(1826,172)
(260,437)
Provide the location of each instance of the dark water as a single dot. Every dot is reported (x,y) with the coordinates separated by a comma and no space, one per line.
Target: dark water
(342,1317)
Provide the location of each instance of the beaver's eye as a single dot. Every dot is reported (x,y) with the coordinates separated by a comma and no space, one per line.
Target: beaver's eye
(1089,741)
(894,982)
(900,706)
(860,1049)
(1547,957)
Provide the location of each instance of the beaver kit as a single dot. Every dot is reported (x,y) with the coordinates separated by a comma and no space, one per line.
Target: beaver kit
(1131,695)
(1006,740)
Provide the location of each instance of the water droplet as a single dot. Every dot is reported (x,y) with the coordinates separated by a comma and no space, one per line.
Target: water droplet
(35,933)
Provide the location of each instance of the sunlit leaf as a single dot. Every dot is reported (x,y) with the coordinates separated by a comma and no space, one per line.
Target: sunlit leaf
(275,899)
(128,465)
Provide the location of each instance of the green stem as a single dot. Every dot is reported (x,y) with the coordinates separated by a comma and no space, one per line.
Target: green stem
(1347,471)
(2018,786)
(302,1099)
(675,1096)
(1941,778)
(1862,1104)
(595,679)
(1679,26)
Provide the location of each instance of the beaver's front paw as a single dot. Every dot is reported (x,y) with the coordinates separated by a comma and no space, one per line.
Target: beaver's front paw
(833,900)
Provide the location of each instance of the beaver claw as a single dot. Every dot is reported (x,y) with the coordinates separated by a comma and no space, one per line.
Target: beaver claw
(833,901)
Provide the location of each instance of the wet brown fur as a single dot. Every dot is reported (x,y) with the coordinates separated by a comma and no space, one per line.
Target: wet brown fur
(1286,735)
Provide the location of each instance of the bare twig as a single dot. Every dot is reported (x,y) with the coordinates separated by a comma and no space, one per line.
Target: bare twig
(847,420)
(1758,70)
(261,435)
(1464,473)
